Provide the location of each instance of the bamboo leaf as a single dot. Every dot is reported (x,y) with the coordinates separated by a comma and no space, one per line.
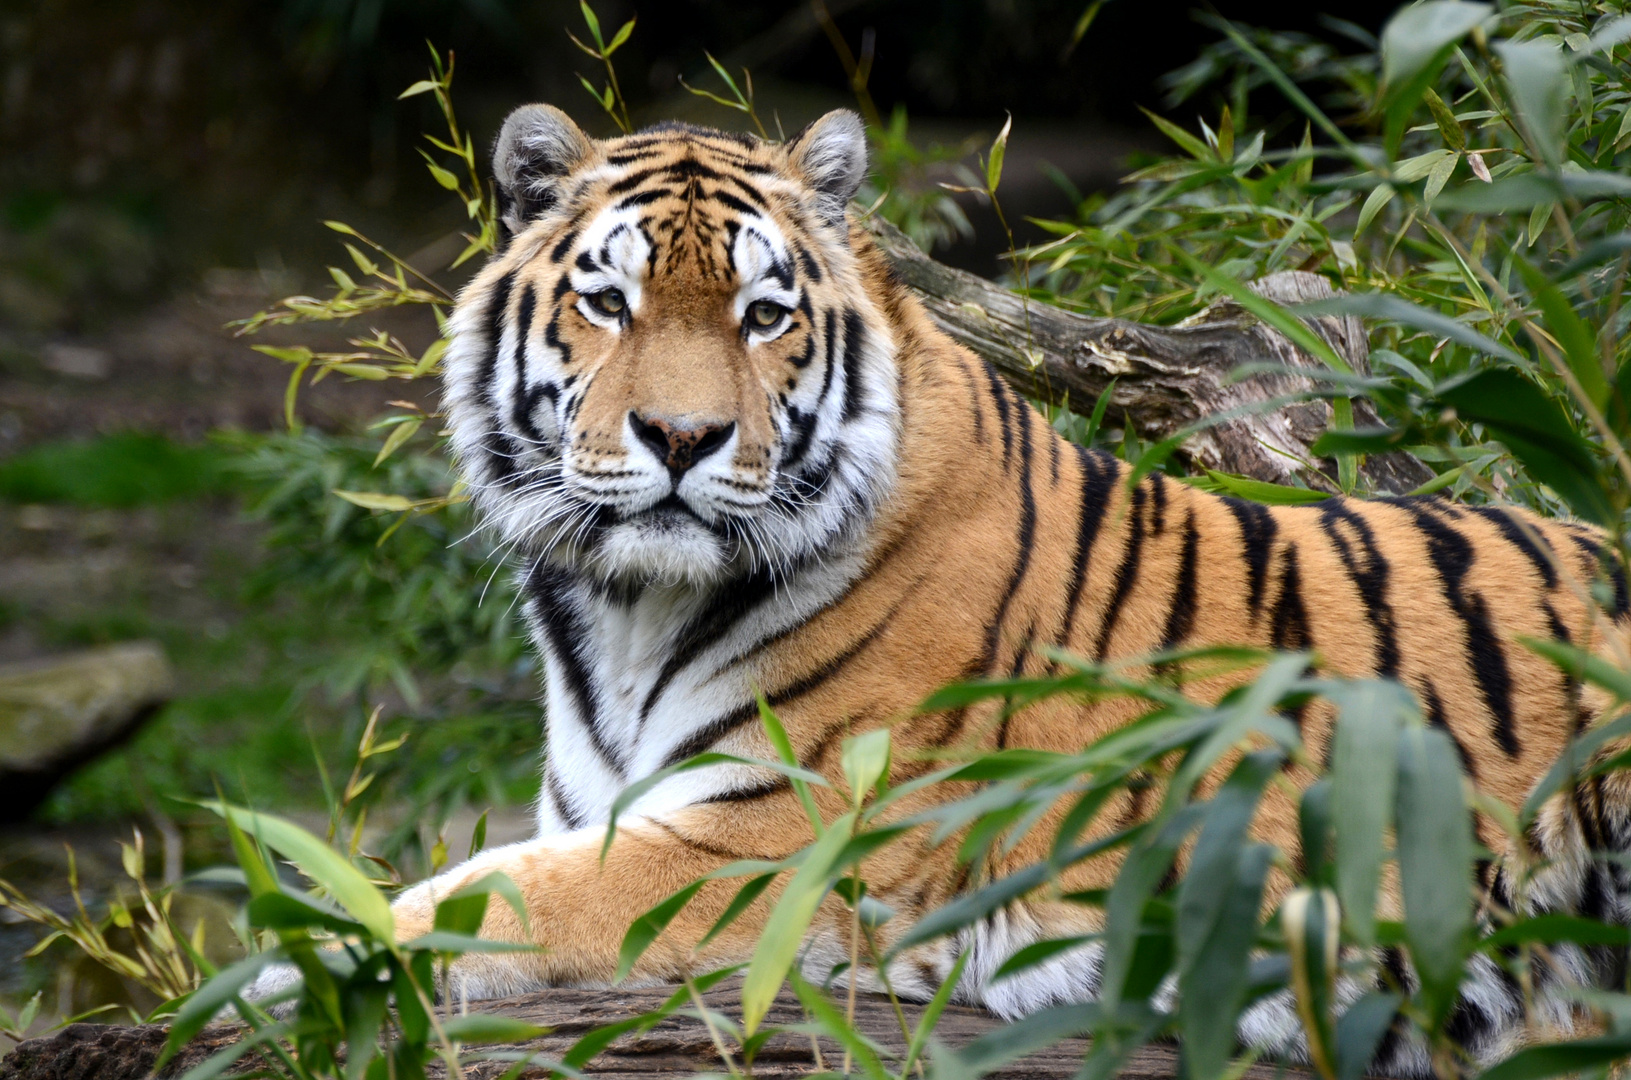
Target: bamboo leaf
(323,865)
(789,919)
(1435,852)
(999,149)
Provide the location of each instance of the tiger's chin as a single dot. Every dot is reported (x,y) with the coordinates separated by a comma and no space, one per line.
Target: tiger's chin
(667,550)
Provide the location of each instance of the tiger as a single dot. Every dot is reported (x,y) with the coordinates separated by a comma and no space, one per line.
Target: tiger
(732,455)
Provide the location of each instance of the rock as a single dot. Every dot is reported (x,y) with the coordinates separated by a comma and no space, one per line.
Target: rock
(57,714)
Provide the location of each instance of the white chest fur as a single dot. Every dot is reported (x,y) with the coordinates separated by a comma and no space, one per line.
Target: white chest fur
(636,682)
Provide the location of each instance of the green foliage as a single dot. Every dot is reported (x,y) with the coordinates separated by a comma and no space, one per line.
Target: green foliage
(1475,208)
(127,469)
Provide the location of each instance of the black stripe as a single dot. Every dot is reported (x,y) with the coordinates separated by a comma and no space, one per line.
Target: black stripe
(725,198)
(1571,685)
(854,328)
(974,402)
(643,198)
(563,246)
(498,315)
(1181,615)
(1257,531)
(1370,577)
(501,453)
(1025,541)
(1054,442)
(802,427)
(1521,539)
(1601,561)
(523,331)
(1126,573)
(999,394)
(566,634)
(1158,504)
(832,356)
(802,361)
(748,794)
(1289,620)
(1099,473)
(812,269)
(711,733)
(1452,557)
(1436,718)
(729,607)
(558,799)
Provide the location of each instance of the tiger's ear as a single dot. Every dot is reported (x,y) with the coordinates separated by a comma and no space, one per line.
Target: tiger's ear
(537,147)
(830,155)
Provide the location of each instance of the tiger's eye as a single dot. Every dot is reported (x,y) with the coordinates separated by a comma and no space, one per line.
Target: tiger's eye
(765,313)
(608,301)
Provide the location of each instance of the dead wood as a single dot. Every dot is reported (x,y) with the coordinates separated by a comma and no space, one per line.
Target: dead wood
(1166,377)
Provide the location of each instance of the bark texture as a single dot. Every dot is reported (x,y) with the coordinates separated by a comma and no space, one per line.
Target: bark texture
(1166,377)
(679,1046)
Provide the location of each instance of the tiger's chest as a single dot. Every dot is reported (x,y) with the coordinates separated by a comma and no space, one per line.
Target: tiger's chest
(638,680)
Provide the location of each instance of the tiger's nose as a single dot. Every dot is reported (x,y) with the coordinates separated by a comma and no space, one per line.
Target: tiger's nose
(679,447)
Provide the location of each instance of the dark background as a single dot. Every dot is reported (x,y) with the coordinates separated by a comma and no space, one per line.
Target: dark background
(145,142)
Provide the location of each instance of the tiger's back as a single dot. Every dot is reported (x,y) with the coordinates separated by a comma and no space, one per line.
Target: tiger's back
(734,455)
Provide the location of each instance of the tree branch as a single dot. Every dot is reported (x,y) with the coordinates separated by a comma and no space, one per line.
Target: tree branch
(1166,377)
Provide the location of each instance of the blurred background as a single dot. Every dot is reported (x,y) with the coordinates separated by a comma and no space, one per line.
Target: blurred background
(165,169)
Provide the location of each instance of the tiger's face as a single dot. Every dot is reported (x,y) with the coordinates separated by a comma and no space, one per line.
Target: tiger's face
(671,371)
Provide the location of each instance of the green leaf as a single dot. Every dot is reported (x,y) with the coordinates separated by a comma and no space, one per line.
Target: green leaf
(865,761)
(1193,146)
(1360,1032)
(420,87)
(1448,126)
(478,836)
(633,793)
(210,998)
(789,919)
(930,1017)
(645,929)
(281,911)
(1037,952)
(1556,1059)
(400,434)
(1383,306)
(220,1062)
(1214,985)
(1264,492)
(744,898)
(1415,44)
(376,500)
(999,149)
(1380,196)
(1439,176)
(1554,927)
(1364,767)
(447,941)
(323,865)
(484,1028)
(1435,852)
(833,1022)
(620,37)
(1520,414)
(1571,331)
(594,23)
(1537,79)
(784,750)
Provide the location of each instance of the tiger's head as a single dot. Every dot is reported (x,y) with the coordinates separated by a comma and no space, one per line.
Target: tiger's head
(672,370)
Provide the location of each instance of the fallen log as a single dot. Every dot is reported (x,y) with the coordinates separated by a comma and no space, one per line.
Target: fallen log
(1166,377)
(678,1046)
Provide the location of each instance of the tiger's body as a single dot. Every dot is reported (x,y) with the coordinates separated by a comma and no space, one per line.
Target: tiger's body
(733,454)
